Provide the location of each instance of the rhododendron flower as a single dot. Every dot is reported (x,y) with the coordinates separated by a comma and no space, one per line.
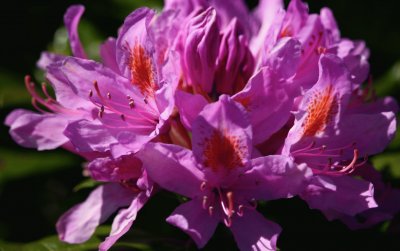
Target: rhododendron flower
(222,178)
(330,134)
(222,105)
(128,186)
(318,34)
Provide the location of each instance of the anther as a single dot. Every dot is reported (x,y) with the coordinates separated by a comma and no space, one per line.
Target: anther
(203,186)
(145,101)
(210,210)
(101,111)
(108,95)
(253,203)
(122,117)
(205,202)
(229,196)
(90,93)
(228,222)
(131,103)
(240,210)
(321,50)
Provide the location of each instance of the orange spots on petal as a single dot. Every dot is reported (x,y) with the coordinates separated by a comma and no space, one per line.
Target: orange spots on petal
(320,112)
(286,32)
(141,70)
(223,151)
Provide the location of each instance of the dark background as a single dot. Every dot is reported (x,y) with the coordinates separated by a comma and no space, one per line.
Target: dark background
(37,187)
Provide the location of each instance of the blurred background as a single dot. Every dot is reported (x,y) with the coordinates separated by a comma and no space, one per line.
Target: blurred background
(37,187)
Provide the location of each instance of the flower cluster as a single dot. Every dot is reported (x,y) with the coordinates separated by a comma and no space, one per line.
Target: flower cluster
(219,104)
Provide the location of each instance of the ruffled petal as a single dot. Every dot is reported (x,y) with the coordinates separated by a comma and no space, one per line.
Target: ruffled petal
(195,221)
(273,177)
(344,194)
(40,131)
(268,103)
(221,141)
(253,232)
(189,107)
(79,223)
(48,58)
(108,54)
(88,136)
(123,221)
(71,21)
(172,167)
(133,33)
(114,170)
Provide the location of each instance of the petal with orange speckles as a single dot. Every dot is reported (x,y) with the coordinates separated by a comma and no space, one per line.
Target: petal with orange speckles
(222,136)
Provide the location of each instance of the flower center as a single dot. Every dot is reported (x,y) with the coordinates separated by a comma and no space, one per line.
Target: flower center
(227,201)
(223,151)
(141,70)
(320,111)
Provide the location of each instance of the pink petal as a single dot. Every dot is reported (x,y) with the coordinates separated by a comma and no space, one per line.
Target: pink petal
(227,118)
(268,102)
(189,107)
(48,58)
(273,177)
(195,221)
(351,195)
(172,167)
(87,136)
(41,131)
(71,21)
(108,54)
(79,223)
(132,32)
(108,169)
(123,221)
(253,232)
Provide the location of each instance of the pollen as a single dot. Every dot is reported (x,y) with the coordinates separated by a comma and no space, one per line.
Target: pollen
(320,111)
(223,151)
(141,70)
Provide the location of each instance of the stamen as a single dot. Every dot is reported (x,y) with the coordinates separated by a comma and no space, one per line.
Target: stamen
(205,202)
(240,212)
(228,221)
(131,103)
(203,186)
(229,196)
(101,111)
(210,210)
(34,104)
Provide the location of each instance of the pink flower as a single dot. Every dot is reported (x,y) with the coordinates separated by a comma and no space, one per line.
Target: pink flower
(331,132)
(222,178)
(127,188)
